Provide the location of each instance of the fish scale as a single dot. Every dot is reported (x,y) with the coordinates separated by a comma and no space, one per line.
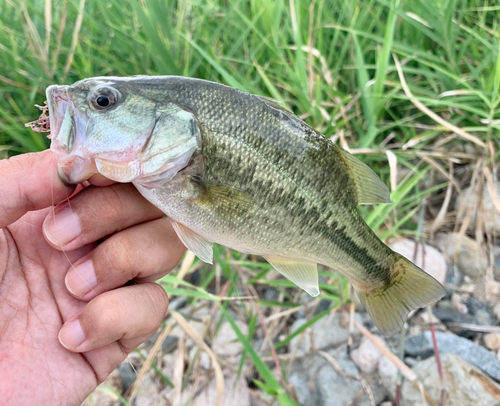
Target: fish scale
(237,169)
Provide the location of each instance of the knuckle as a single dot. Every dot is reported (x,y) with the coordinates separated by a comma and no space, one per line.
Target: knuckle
(108,310)
(120,253)
(157,301)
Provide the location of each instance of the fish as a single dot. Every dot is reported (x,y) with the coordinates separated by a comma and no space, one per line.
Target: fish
(240,170)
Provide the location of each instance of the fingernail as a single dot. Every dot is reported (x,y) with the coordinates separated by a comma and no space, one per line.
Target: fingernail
(81,279)
(63,227)
(71,335)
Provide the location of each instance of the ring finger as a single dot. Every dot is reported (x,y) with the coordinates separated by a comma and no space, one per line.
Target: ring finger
(146,251)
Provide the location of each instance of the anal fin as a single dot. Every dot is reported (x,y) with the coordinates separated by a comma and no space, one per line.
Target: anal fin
(303,273)
(194,242)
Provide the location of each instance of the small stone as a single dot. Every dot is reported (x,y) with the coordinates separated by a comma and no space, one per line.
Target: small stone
(387,403)
(480,311)
(232,395)
(454,277)
(449,315)
(465,384)
(435,264)
(148,393)
(492,341)
(421,346)
(203,357)
(335,389)
(388,376)
(378,391)
(468,201)
(366,356)
(301,388)
(102,396)
(329,331)
(128,375)
(226,342)
(496,311)
(169,344)
(177,303)
(463,252)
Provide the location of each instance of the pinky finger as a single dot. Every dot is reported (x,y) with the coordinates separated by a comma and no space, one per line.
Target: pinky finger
(128,316)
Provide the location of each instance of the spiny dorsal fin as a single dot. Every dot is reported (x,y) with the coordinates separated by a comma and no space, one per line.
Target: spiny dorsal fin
(194,242)
(303,273)
(274,103)
(369,187)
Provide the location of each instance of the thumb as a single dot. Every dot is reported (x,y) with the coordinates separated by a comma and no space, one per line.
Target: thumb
(29,182)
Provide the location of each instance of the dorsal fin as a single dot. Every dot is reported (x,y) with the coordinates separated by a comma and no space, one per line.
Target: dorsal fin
(370,189)
(274,103)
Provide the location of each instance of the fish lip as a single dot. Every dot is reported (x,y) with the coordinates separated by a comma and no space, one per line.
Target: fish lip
(72,166)
(57,110)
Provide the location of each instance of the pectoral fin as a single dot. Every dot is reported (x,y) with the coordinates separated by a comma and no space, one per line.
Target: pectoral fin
(369,187)
(303,273)
(223,200)
(194,242)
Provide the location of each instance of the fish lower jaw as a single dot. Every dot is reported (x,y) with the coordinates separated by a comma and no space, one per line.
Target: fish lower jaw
(118,171)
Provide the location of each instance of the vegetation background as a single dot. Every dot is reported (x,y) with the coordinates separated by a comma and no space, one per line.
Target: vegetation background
(411,86)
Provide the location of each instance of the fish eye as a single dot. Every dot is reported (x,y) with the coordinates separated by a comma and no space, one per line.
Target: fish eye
(103,98)
(102,101)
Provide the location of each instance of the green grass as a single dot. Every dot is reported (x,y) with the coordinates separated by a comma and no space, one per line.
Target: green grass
(331,62)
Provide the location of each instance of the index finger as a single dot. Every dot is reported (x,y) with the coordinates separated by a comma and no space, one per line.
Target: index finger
(29,182)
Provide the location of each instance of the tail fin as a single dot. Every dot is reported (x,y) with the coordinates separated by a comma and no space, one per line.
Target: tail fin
(410,288)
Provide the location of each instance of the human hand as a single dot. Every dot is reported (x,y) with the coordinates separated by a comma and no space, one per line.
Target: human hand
(57,346)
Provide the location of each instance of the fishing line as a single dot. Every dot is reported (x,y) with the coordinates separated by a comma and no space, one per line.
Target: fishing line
(60,246)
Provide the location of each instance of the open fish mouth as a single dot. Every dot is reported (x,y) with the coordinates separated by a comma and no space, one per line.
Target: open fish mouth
(68,127)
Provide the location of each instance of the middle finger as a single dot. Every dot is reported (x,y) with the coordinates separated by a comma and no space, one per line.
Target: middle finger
(96,212)
(146,252)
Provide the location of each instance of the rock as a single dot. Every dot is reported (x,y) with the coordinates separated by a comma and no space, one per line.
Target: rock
(232,395)
(203,358)
(388,376)
(128,375)
(335,389)
(326,332)
(169,344)
(435,264)
(421,346)
(103,394)
(378,391)
(318,383)
(226,342)
(301,388)
(148,393)
(449,315)
(476,313)
(463,252)
(492,341)
(465,384)
(496,311)
(454,277)
(481,312)
(177,303)
(468,201)
(387,403)
(366,356)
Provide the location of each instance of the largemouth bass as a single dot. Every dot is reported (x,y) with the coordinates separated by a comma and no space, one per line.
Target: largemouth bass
(239,170)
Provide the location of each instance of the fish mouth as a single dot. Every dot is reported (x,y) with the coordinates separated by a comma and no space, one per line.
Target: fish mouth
(68,127)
